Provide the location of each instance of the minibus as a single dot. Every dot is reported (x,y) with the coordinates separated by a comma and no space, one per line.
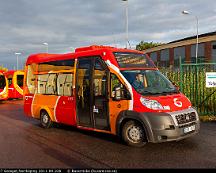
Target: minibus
(107,89)
(15,84)
(11,84)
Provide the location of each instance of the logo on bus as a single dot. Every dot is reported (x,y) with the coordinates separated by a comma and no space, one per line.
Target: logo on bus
(177,102)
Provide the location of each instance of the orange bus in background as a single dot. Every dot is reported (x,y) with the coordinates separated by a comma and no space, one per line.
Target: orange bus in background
(11,84)
(110,90)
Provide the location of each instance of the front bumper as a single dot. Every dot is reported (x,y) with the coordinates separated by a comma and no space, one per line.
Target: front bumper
(166,127)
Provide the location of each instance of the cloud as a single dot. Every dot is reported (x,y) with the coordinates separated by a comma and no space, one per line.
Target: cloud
(25,25)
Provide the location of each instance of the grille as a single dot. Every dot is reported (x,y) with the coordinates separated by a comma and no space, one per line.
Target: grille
(186,117)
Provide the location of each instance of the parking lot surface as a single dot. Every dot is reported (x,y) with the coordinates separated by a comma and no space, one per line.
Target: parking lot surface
(25,144)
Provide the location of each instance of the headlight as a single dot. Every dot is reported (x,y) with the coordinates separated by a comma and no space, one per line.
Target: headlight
(151,104)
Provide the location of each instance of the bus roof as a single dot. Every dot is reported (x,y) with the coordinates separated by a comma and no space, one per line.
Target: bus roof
(82,51)
(12,72)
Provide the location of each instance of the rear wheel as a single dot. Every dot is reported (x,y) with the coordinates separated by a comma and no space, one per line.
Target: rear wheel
(45,120)
(133,134)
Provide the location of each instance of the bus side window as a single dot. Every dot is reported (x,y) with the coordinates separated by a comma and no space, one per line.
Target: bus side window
(116,83)
(2,82)
(31,78)
(64,84)
(20,80)
(100,77)
(42,83)
(51,84)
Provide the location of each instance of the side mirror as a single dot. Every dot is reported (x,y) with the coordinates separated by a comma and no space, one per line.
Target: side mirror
(176,86)
(117,93)
(121,93)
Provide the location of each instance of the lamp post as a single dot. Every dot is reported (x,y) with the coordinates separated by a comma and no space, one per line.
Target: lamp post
(197,32)
(17,55)
(72,49)
(47,47)
(126,20)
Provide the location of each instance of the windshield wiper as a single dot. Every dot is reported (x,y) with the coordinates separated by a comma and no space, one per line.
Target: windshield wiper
(151,93)
(170,92)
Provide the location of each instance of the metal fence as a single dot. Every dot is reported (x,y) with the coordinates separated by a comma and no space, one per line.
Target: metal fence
(191,78)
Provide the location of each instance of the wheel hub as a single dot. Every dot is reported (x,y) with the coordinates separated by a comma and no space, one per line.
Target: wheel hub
(45,119)
(135,133)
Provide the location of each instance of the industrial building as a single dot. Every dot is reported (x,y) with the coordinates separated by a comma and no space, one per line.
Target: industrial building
(168,55)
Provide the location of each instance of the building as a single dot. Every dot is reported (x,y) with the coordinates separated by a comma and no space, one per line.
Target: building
(168,55)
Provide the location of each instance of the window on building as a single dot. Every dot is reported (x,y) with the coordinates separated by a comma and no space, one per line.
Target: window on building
(214,51)
(164,58)
(179,53)
(200,55)
(153,56)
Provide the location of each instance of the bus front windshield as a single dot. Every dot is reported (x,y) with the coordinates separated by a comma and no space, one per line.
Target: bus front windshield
(149,82)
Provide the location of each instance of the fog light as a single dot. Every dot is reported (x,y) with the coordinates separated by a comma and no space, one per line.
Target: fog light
(162,137)
(170,127)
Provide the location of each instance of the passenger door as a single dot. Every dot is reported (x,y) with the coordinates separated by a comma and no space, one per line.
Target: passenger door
(83,94)
(92,93)
(100,95)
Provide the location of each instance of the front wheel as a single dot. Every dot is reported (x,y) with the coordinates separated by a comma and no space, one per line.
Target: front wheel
(133,134)
(45,120)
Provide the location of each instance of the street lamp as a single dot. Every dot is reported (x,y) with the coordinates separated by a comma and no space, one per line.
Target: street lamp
(126,20)
(47,47)
(17,54)
(72,49)
(197,31)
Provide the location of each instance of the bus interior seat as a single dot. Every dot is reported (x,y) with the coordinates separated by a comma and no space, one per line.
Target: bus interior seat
(51,84)
(60,83)
(41,87)
(68,85)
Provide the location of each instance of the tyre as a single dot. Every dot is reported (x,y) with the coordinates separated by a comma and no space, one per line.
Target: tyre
(45,120)
(134,134)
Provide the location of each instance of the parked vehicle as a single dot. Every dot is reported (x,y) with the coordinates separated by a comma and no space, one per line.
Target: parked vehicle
(15,84)
(110,90)
(3,86)
(11,84)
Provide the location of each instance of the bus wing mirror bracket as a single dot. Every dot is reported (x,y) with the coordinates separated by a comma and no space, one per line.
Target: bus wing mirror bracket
(176,86)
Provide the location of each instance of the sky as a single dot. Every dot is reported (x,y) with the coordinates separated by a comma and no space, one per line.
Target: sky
(67,24)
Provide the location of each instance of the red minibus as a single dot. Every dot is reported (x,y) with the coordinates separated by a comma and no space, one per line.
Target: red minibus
(110,90)
(11,84)
(15,84)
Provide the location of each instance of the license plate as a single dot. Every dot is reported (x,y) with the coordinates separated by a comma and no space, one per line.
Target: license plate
(189,129)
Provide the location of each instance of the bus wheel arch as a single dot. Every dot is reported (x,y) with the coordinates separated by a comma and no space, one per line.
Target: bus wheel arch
(133,132)
(45,119)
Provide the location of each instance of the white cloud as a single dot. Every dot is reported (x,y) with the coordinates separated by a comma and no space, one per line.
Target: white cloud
(25,25)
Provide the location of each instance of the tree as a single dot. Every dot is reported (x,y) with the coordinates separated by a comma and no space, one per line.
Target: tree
(3,68)
(146,45)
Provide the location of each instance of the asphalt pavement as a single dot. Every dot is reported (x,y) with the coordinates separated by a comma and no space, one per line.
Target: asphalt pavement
(25,144)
